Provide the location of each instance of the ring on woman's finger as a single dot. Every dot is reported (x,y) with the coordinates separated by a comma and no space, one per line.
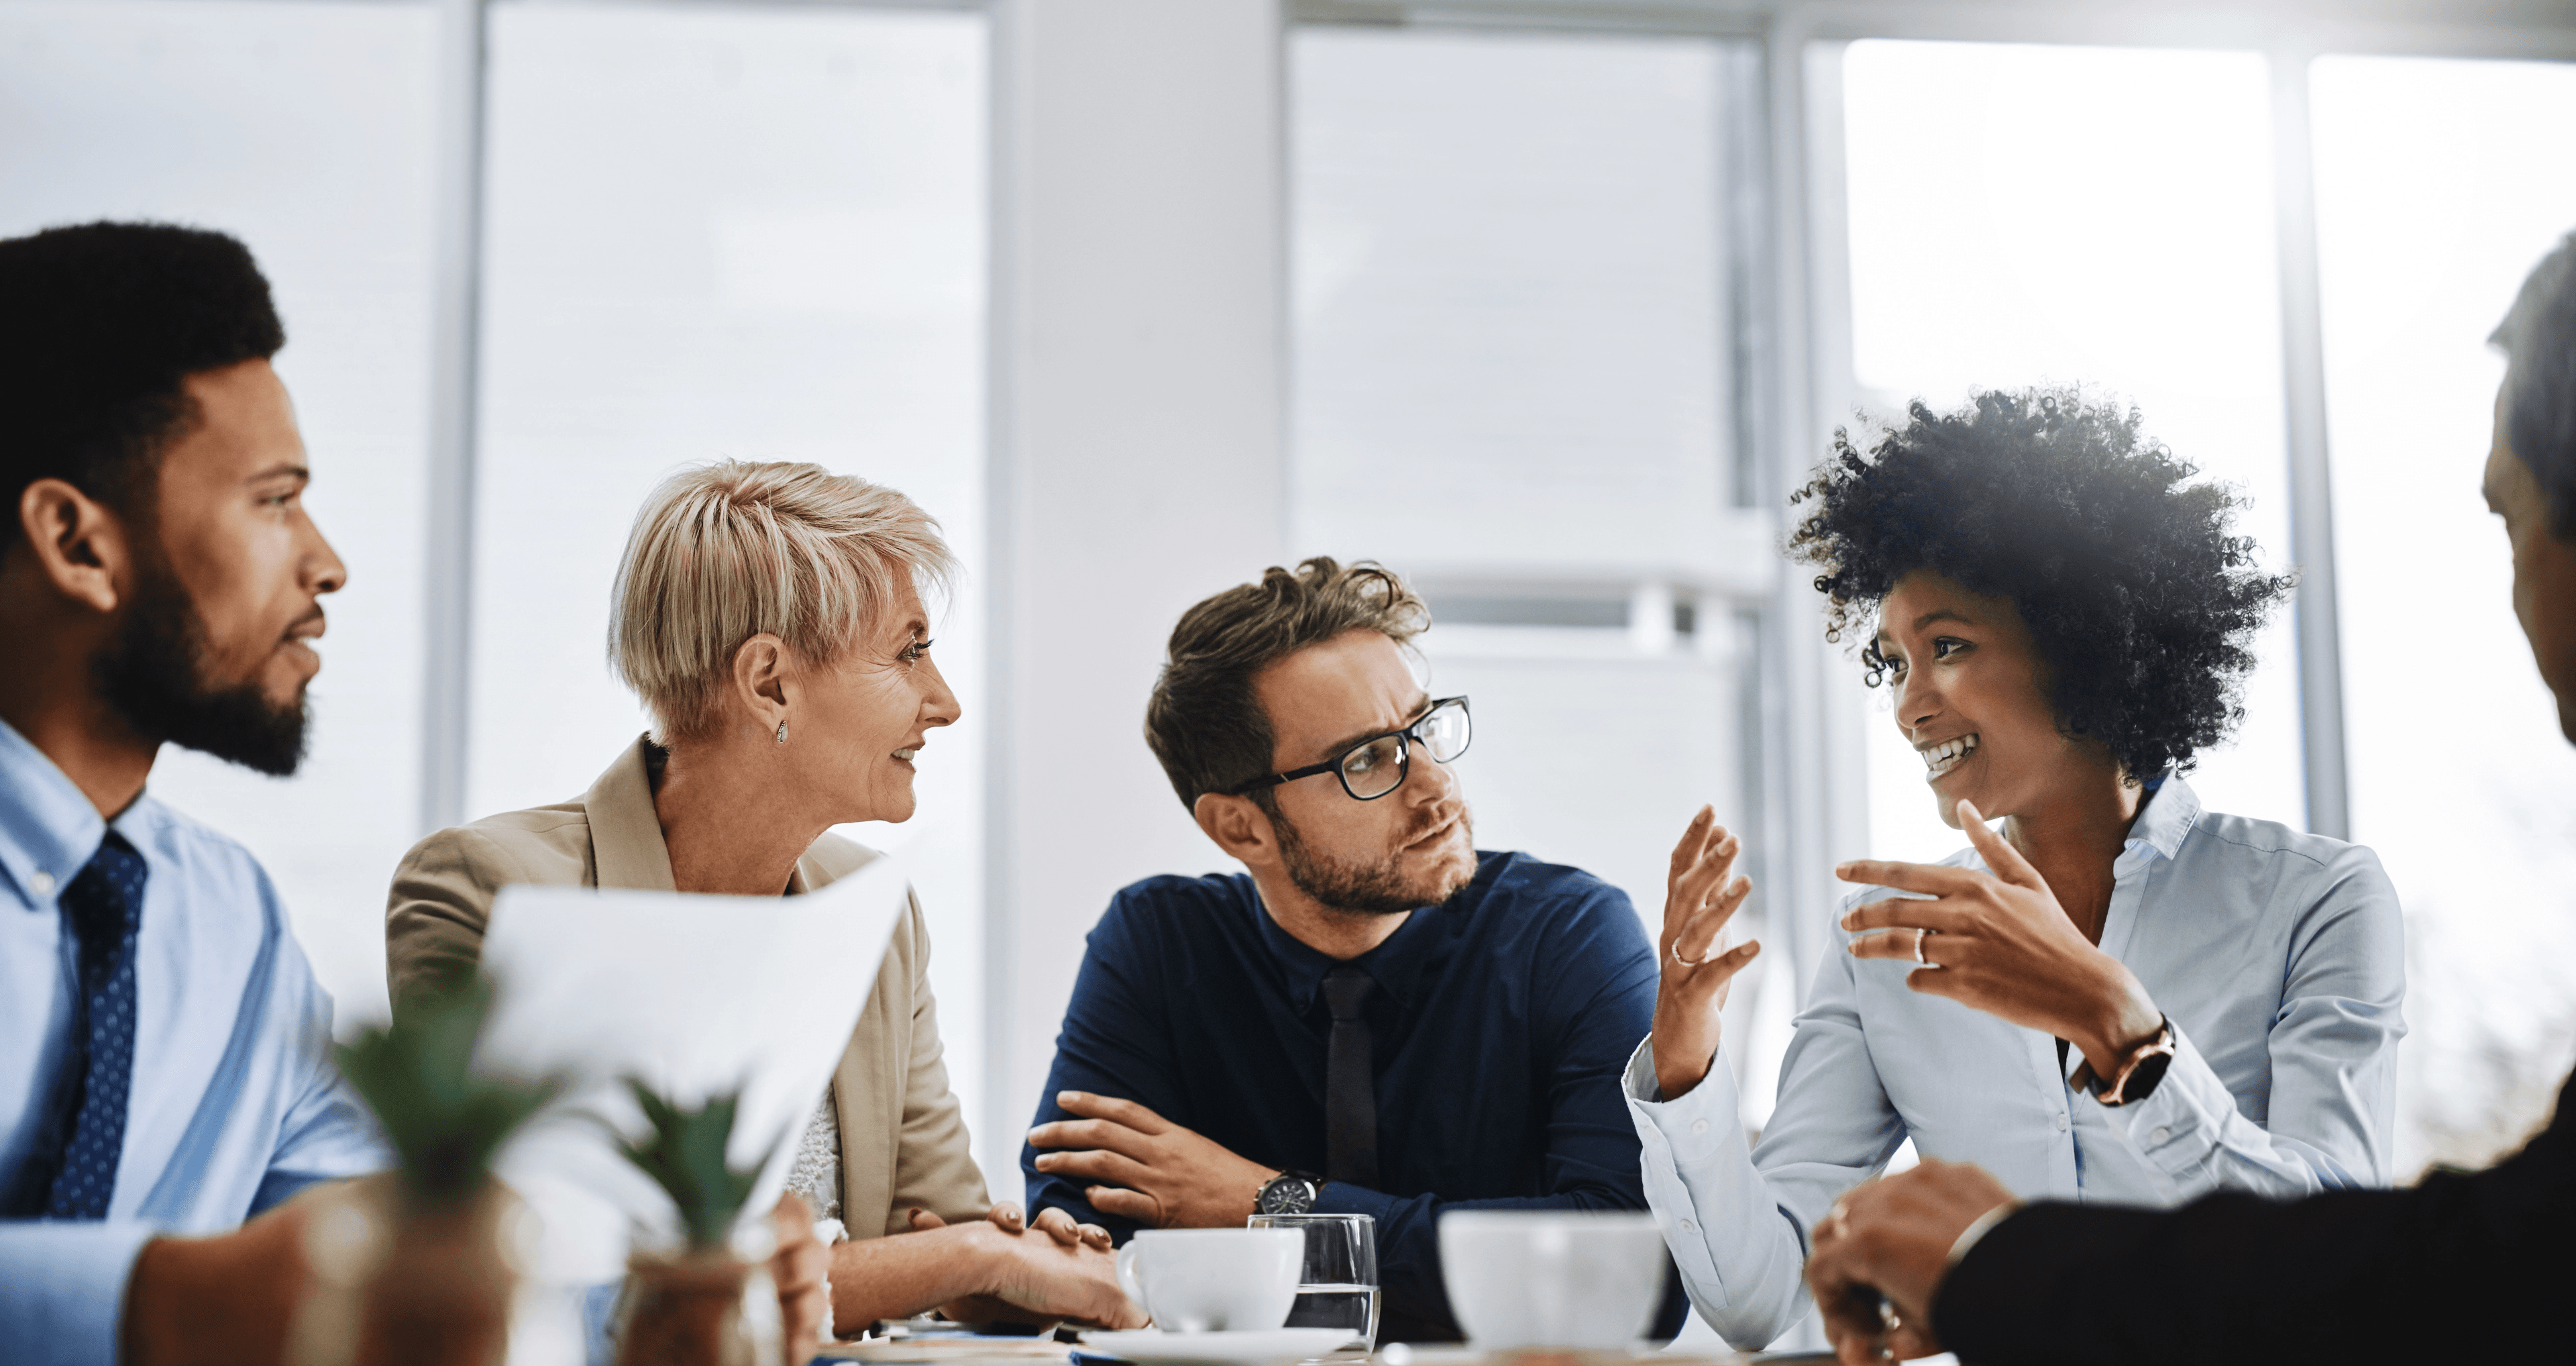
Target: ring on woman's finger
(1919,937)
(1715,949)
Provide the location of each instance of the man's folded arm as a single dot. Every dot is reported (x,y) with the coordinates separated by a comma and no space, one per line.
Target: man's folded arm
(1109,1046)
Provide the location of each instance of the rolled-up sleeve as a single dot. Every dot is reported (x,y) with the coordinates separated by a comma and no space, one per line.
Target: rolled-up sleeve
(62,1289)
(2333,1050)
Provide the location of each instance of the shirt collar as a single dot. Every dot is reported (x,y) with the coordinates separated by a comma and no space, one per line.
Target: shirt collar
(48,828)
(2170,811)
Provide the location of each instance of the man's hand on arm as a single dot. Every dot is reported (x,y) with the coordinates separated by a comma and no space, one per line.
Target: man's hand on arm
(1891,1239)
(1145,1168)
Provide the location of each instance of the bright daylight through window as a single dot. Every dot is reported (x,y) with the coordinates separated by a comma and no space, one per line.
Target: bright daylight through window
(2439,183)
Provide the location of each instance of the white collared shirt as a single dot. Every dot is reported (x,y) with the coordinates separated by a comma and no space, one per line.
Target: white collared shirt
(2278,956)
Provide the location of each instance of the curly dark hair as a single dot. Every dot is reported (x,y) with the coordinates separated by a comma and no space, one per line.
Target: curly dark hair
(2140,602)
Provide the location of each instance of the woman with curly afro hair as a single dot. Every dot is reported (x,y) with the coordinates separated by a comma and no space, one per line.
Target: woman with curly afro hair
(2120,997)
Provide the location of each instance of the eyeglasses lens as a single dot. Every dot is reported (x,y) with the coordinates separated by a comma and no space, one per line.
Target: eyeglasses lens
(1374,769)
(1444,732)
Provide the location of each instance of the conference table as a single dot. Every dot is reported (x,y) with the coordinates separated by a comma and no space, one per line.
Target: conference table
(960,1349)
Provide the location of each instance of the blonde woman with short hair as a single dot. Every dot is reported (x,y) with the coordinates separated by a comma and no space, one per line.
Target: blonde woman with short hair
(770,616)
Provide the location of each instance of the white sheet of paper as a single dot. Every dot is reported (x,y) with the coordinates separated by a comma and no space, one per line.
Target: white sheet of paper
(695,996)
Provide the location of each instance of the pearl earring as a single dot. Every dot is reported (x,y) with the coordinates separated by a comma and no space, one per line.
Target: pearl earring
(782,732)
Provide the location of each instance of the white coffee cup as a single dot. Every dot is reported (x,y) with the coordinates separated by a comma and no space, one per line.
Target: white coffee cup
(1552,1278)
(1200,1280)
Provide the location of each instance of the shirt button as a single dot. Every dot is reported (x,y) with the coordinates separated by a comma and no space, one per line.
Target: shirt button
(1699,1126)
(2061,1124)
(44,884)
(1689,1227)
(2160,1134)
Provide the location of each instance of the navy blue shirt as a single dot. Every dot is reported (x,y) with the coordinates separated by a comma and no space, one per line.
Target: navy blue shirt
(1501,1021)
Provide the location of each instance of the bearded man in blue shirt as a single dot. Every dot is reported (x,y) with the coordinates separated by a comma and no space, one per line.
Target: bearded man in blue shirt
(1374,1017)
(164,1048)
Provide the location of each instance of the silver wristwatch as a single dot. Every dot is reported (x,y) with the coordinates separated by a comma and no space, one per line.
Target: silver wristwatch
(1288,1193)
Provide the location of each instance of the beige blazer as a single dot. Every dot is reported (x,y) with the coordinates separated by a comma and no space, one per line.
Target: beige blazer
(903,1138)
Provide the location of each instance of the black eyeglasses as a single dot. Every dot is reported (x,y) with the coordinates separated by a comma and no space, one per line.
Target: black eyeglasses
(1378,765)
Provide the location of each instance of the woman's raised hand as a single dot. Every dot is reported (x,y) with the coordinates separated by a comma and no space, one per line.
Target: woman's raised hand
(1700,896)
(1999,941)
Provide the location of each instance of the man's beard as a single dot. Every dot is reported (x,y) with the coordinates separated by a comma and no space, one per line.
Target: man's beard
(153,674)
(1363,889)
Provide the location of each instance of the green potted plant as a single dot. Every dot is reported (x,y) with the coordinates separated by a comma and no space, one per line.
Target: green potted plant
(417,1266)
(707,1303)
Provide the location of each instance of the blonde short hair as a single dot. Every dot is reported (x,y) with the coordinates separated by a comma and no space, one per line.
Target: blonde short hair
(723,552)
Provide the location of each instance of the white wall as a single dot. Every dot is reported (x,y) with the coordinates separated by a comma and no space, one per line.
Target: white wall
(1138,454)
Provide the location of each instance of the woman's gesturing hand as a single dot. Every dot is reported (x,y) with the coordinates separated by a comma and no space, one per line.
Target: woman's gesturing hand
(2000,942)
(1699,898)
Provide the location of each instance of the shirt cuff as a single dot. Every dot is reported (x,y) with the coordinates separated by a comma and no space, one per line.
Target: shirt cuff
(62,1288)
(1688,1135)
(2179,1125)
(1341,1197)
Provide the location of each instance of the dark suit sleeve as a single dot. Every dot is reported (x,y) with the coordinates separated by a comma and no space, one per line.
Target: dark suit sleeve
(2463,1266)
(1596,990)
(1111,1045)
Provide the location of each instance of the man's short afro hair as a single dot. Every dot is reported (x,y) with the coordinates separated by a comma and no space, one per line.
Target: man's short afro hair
(2140,602)
(99,324)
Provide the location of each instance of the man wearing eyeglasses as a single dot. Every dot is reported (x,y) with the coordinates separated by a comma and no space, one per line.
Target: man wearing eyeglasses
(1373,1017)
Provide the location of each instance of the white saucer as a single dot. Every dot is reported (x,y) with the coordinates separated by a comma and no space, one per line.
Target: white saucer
(1153,1345)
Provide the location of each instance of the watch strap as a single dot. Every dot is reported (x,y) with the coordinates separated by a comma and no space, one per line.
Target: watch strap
(2138,1073)
(1261,1202)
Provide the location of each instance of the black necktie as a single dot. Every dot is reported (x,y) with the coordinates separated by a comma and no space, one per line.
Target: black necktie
(1350,1082)
(70,1170)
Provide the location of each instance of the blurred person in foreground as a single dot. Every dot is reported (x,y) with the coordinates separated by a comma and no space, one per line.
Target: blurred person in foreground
(771,617)
(2121,997)
(1374,1017)
(165,1063)
(2462,1265)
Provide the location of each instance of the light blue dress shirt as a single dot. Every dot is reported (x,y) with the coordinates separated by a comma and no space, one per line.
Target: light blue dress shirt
(2278,956)
(236,1102)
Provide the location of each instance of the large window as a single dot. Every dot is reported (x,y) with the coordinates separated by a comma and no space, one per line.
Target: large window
(2439,184)
(709,231)
(305,130)
(2025,215)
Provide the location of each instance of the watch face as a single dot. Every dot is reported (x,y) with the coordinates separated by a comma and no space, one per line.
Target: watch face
(1287,1194)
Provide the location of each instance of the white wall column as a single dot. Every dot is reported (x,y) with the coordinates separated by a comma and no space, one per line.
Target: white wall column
(1138,384)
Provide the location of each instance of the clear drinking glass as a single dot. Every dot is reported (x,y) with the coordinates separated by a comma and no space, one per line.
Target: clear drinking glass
(1338,1288)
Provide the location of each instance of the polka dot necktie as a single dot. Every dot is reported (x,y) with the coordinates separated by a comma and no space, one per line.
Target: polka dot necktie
(81,1138)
